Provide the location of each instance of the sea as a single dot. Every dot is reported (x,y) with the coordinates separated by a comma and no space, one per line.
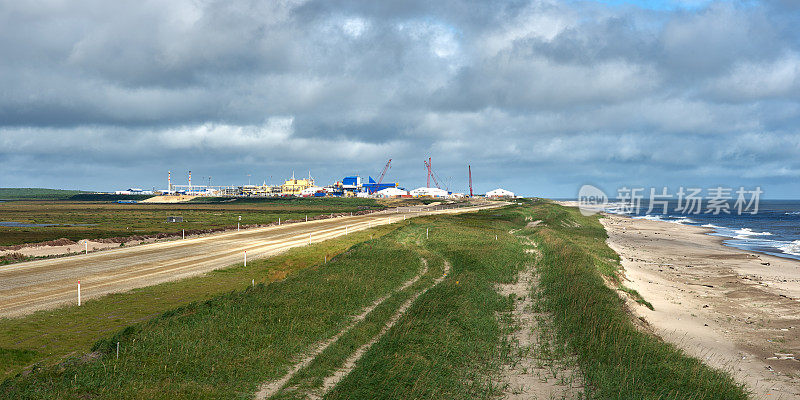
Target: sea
(774,229)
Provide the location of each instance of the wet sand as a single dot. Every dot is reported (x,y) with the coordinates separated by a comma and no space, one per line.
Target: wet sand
(736,310)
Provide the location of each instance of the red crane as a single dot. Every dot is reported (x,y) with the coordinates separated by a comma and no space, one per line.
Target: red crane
(386,168)
(428,166)
(431,174)
(469,168)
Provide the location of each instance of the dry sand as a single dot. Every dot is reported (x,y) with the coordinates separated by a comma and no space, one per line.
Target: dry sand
(736,310)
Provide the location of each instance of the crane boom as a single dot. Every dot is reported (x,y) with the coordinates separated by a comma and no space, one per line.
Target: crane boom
(431,174)
(469,168)
(386,168)
(428,165)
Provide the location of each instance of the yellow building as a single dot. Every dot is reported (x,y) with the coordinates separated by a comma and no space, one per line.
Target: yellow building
(295,186)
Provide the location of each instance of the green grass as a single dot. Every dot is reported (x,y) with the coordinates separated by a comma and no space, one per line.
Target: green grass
(449,344)
(49,336)
(334,356)
(36,194)
(224,347)
(619,361)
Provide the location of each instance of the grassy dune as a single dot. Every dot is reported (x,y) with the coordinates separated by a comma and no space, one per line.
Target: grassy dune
(619,361)
(448,345)
(48,336)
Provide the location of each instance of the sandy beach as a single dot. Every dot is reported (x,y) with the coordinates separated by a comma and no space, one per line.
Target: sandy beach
(736,310)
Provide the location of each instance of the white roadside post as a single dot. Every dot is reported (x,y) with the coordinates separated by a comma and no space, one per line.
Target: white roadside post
(306,218)
(183,233)
(309,238)
(238,223)
(86,247)
(279,220)
(79,293)
(426,232)
(245,258)
(117,350)
(345,230)
(326,259)
(254,283)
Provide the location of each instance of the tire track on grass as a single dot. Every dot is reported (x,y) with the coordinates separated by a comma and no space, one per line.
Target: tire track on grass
(331,381)
(269,389)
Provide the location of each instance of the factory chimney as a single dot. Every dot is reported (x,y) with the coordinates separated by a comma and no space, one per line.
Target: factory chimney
(190,181)
(169,181)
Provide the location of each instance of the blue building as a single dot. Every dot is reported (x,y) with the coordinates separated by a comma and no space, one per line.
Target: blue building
(373,186)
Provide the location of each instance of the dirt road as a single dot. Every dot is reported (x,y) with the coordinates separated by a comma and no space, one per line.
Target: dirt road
(27,287)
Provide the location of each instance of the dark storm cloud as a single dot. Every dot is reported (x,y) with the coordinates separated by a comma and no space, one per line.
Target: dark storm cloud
(540,96)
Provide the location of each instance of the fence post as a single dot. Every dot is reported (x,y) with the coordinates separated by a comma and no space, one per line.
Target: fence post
(79,293)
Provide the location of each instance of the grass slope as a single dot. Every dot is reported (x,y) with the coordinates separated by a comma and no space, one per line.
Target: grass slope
(448,345)
(48,336)
(224,347)
(618,360)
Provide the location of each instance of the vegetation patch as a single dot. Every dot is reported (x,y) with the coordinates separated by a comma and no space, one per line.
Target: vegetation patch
(56,334)
(618,360)
(450,343)
(36,194)
(77,220)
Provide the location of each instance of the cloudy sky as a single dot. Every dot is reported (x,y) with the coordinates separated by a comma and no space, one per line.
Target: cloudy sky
(539,96)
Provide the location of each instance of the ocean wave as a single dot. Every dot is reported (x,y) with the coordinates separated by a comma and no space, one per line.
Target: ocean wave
(792,213)
(650,218)
(746,233)
(670,219)
(712,226)
(792,248)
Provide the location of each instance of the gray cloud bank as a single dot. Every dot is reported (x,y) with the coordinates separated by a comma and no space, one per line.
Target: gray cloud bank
(539,96)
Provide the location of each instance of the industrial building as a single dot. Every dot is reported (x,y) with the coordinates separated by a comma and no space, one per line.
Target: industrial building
(295,187)
(392,192)
(349,186)
(430,192)
(499,193)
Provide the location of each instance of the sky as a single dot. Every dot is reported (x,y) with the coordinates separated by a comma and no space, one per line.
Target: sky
(539,97)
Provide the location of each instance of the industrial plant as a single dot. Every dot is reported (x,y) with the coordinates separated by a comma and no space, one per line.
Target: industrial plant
(348,186)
